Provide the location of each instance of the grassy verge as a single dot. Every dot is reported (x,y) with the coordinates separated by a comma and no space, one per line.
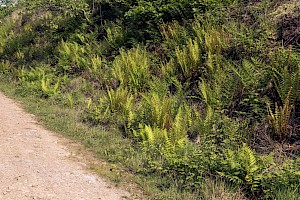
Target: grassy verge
(66,122)
(108,146)
(112,154)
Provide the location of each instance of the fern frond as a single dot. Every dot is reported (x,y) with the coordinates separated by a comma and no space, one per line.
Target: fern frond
(149,134)
(169,148)
(250,160)
(280,118)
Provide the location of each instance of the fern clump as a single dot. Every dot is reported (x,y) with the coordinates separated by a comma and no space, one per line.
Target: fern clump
(41,82)
(258,173)
(116,106)
(132,69)
(245,167)
(280,120)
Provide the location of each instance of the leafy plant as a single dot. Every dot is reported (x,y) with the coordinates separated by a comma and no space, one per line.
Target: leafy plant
(286,75)
(119,100)
(40,81)
(158,111)
(117,106)
(132,68)
(5,33)
(189,58)
(5,66)
(173,34)
(210,95)
(182,83)
(245,167)
(115,36)
(72,57)
(280,119)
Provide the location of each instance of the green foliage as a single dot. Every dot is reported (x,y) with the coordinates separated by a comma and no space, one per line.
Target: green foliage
(6,7)
(280,119)
(132,68)
(161,141)
(282,193)
(209,95)
(245,167)
(173,34)
(259,172)
(251,80)
(5,32)
(180,79)
(189,58)
(72,57)
(78,57)
(286,74)
(5,66)
(143,17)
(120,100)
(40,82)
(160,110)
(63,7)
(115,36)
(116,106)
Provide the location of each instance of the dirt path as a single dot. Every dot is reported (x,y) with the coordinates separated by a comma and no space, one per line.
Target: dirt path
(34,164)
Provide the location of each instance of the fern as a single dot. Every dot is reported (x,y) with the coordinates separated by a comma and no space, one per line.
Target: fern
(47,88)
(286,75)
(161,112)
(89,103)
(248,73)
(251,166)
(243,167)
(169,147)
(5,34)
(180,126)
(117,106)
(132,69)
(119,101)
(115,35)
(70,100)
(5,66)
(44,84)
(148,135)
(280,118)
(174,34)
(210,95)
(189,57)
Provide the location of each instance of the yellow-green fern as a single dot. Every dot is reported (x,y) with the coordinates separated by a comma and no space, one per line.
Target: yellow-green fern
(280,118)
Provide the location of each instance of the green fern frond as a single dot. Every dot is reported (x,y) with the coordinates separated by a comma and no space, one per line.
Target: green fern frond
(149,134)
(169,148)
(280,118)
(44,85)
(132,68)
(250,161)
(188,57)
(89,103)
(181,143)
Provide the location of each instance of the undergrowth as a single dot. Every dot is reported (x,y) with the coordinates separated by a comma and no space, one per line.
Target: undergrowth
(205,93)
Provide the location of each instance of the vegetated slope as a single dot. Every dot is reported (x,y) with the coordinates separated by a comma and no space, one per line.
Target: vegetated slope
(204,90)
